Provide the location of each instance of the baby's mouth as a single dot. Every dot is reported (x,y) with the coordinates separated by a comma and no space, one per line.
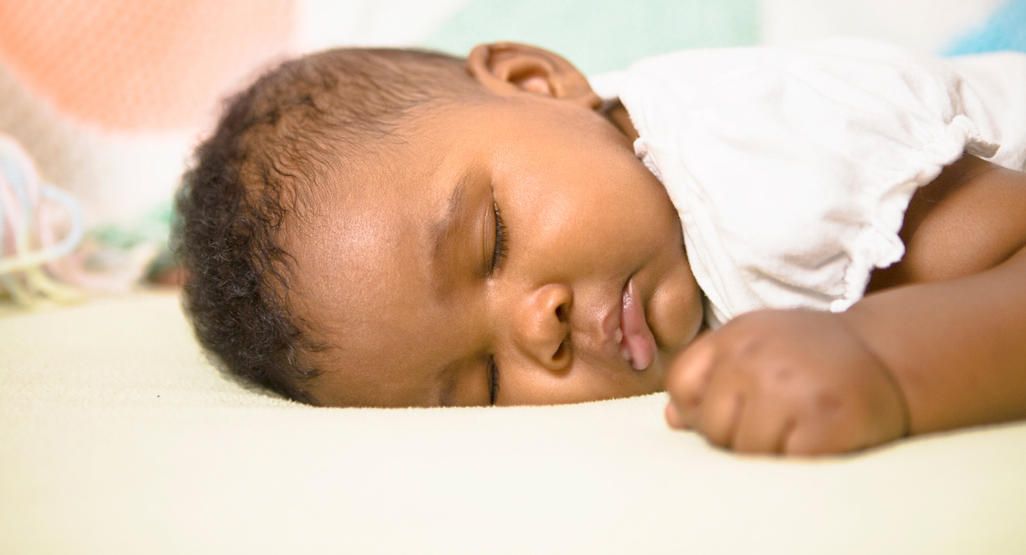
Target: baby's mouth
(637,344)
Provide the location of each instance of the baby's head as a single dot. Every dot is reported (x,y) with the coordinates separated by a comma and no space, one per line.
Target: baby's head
(405,228)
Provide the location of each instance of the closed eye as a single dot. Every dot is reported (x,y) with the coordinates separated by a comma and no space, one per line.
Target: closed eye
(499,251)
(493,381)
(500,248)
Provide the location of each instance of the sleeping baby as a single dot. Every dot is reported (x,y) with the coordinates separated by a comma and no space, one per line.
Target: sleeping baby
(812,249)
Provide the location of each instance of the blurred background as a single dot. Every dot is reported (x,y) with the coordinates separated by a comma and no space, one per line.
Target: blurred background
(102,101)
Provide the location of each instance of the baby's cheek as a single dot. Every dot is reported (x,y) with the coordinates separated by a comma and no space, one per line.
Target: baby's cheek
(675,311)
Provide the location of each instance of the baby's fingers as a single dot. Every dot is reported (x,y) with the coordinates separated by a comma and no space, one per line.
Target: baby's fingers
(721,410)
(763,428)
(822,438)
(686,382)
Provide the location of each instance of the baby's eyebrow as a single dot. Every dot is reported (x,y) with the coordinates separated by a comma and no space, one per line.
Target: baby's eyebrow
(442,232)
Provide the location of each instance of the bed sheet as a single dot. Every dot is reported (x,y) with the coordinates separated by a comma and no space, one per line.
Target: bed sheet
(117,436)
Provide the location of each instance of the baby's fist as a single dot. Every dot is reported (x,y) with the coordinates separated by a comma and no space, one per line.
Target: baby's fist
(785,381)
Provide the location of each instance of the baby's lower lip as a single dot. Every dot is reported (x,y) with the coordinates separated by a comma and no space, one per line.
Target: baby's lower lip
(637,346)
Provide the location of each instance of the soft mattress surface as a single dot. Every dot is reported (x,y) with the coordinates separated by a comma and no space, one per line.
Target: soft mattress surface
(116,436)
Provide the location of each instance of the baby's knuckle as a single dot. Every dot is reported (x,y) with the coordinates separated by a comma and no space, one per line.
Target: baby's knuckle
(689,399)
(685,398)
(743,345)
(774,375)
(827,402)
(819,403)
(774,381)
(780,376)
(716,434)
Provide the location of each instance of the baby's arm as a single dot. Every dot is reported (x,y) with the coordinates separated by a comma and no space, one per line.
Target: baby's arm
(946,350)
(957,347)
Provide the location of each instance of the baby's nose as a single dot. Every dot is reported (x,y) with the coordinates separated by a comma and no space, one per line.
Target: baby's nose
(542,325)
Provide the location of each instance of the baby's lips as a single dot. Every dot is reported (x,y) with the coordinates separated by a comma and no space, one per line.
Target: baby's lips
(638,345)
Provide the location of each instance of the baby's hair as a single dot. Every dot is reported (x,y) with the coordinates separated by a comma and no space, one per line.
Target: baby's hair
(282,136)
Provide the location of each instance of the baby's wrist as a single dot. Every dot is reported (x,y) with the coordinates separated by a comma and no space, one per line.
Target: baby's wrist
(856,321)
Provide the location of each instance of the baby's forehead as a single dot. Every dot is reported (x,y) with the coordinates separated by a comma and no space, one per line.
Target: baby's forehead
(362,289)
(355,278)
(378,341)
(360,260)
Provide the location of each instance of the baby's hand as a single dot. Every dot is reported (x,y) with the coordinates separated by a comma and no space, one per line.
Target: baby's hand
(785,381)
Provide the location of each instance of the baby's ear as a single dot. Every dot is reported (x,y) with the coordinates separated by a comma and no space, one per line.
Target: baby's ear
(509,68)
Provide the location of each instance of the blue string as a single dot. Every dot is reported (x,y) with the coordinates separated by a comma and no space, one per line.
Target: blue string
(17,176)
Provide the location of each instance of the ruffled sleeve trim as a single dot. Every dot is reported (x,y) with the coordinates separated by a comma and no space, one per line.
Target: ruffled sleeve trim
(878,244)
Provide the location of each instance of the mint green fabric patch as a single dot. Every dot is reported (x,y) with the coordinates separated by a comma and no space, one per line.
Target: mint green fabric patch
(601,35)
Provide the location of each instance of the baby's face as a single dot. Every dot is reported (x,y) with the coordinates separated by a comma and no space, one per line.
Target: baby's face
(424,298)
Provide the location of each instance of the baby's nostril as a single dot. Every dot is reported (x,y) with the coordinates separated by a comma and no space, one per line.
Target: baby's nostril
(561,312)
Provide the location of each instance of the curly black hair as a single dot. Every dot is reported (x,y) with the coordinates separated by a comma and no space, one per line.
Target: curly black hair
(276,140)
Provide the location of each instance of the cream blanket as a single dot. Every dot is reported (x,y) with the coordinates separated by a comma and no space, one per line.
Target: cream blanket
(117,437)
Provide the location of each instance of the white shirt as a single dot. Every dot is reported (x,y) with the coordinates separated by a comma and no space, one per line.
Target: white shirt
(791,167)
